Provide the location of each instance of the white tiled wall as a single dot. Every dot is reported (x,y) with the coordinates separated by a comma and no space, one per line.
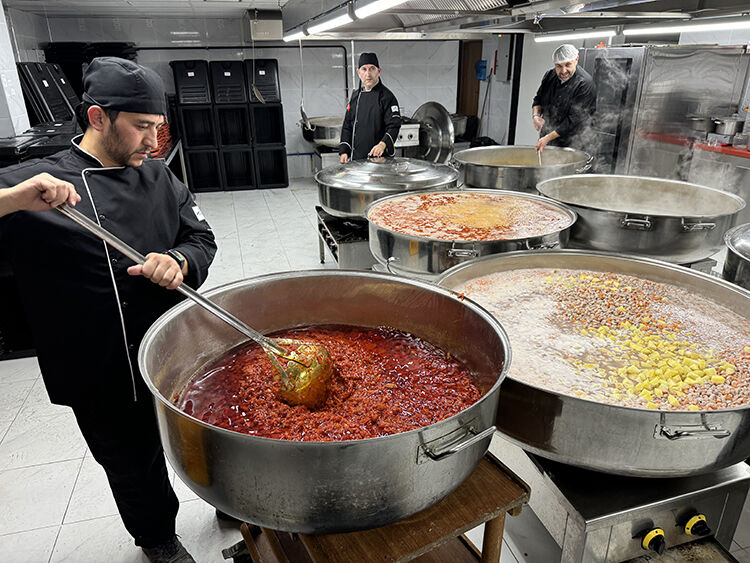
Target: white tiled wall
(497,107)
(13,118)
(29,33)
(416,71)
(736,37)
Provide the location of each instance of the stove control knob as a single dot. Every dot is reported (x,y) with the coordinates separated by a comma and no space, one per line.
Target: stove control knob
(697,526)
(653,540)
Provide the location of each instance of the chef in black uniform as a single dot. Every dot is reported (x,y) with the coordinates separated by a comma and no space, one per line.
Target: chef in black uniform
(565,102)
(88,305)
(372,119)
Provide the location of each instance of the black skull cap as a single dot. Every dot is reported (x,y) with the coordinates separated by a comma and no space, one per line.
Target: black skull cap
(120,84)
(368,59)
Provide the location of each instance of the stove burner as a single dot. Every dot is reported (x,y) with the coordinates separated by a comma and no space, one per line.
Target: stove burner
(346,238)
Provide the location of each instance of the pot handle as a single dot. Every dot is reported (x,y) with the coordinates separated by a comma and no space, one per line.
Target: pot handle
(679,432)
(542,245)
(636,224)
(687,431)
(388,263)
(689,227)
(587,166)
(454,252)
(468,440)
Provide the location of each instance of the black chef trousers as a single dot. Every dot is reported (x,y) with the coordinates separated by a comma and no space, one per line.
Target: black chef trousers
(124,439)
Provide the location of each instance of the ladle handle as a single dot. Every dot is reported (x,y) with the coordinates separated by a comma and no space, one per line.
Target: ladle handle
(186,290)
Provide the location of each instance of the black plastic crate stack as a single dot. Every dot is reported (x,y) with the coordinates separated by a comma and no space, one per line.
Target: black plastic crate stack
(232,141)
(196,118)
(268,123)
(233,124)
(43,94)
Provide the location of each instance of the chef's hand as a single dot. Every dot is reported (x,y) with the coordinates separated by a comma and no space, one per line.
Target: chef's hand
(343,158)
(377,150)
(544,141)
(39,193)
(161,269)
(538,122)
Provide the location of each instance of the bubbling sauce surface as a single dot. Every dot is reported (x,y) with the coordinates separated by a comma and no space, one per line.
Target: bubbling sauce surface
(385,381)
(469,216)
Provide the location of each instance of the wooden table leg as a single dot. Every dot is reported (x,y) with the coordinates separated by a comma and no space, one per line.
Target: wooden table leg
(492,542)
(247,535)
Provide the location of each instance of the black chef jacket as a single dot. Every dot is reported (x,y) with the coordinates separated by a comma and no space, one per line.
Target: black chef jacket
(87,315)
(370,117)
(567,107)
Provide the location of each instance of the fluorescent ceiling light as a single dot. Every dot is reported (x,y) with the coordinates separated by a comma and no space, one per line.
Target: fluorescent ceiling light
(678,28)
(569,36)
(294,35)
(375,7)
(329,24)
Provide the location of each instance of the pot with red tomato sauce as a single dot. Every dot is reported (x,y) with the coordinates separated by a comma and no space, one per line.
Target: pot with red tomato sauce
(409,413)
(422,234)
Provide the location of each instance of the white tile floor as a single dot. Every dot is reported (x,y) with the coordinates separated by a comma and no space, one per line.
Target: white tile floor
(55,504)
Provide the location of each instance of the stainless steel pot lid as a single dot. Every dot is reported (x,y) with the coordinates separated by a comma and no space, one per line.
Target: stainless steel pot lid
(387,174)
(738,240)
(435,133)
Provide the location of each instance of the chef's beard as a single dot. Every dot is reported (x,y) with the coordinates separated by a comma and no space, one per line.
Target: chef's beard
(114,147)
(564,80)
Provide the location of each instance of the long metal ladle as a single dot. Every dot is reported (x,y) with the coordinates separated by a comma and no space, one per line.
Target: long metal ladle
(304,379)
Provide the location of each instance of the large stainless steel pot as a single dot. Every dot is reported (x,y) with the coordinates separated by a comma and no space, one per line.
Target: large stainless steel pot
(427,258)
(609,438)
(316,487)
(325,131)
(674,221)
(737,262)
(517,167)
(347,189)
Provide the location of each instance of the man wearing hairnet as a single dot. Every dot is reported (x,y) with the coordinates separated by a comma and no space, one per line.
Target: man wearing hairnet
(565,102)
(87,304)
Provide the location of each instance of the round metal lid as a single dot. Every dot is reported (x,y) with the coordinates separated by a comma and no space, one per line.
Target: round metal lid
(435,133)
(738,240)
(387,174)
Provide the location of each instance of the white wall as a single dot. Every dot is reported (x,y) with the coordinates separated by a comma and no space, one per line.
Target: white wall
(13,117)
(736,37)
(496,116)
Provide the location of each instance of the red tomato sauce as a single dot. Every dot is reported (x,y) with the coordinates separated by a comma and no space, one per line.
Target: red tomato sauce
(385,381)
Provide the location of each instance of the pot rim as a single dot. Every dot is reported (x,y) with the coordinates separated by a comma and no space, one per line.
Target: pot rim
(586,157)
(729,239)
(187,304)
(619,257)
(572,214)
(739,200)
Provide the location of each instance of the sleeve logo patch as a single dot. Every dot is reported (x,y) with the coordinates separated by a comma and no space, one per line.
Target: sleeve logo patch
(198,213)
(394,109)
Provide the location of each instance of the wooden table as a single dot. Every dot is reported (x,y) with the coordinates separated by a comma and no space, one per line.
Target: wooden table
(433,535)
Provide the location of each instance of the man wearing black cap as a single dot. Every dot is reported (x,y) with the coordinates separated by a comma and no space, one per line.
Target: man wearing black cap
(372,119)
(88,306)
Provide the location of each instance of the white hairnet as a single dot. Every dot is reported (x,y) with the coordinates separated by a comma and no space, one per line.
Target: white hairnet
(564,53)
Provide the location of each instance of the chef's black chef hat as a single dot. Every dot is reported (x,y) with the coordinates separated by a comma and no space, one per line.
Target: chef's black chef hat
(119,84)
(368,59)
